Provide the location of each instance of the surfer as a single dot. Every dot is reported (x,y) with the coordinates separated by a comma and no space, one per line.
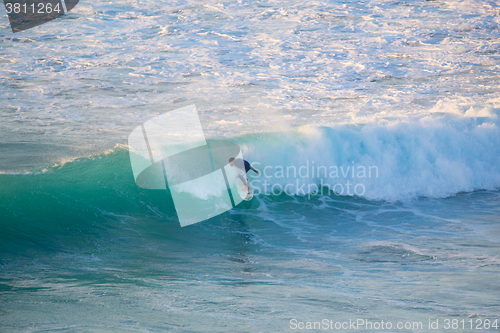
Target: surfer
(241,163)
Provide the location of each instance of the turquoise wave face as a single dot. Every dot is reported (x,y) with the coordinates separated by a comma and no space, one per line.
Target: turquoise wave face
(66,205)
(83,204)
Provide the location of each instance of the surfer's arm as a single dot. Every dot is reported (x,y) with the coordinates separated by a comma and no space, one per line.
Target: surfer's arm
(251,168)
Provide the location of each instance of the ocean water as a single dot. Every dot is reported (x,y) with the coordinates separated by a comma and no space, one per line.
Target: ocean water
(392,105)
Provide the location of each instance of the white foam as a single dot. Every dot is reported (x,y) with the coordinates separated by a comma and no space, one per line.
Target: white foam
(437,158)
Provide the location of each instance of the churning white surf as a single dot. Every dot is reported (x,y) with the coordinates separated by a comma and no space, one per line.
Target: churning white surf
(429,158)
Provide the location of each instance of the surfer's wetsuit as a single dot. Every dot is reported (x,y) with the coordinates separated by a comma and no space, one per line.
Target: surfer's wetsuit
(248,167)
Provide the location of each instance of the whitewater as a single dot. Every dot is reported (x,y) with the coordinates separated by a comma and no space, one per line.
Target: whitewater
(374,125)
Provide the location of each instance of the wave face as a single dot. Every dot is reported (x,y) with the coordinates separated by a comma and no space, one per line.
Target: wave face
(402,162)
(68,205)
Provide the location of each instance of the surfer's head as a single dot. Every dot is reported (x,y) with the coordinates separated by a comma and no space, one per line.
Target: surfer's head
(231,161)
